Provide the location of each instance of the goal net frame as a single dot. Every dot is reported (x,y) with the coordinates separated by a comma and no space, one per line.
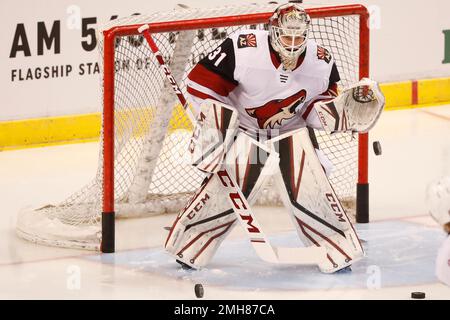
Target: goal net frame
(362,202)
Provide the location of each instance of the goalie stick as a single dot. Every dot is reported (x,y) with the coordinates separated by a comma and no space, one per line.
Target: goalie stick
(241,207)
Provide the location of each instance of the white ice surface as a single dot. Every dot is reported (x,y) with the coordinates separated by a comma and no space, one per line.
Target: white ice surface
(416,150)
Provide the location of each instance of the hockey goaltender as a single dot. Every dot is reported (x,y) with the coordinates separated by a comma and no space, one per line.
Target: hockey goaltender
(257,98)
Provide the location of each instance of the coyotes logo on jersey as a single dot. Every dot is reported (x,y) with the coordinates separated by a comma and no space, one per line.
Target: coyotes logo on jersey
(247,41)
(275,111)
(323,54)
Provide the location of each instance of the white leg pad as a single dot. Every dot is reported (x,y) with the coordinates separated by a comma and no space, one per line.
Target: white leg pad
(206,221)
(316,212)
(200,228)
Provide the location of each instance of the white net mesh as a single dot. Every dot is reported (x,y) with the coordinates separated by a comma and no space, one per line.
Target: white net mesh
(152,130)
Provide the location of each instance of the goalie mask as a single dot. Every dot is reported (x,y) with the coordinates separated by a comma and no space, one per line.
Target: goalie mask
(288,31)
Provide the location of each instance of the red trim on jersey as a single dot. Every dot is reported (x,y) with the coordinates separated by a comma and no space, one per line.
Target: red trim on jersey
(275,60)
(275,57)
(327,95)
(199,94)
(211,80)
(309,108)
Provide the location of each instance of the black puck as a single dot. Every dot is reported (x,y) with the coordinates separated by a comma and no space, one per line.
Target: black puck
(418,295)
(377,148)
(198,290)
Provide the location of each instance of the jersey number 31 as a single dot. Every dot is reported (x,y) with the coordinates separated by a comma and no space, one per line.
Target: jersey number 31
(213,55)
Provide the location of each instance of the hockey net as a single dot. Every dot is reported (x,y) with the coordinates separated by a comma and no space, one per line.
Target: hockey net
(145,130)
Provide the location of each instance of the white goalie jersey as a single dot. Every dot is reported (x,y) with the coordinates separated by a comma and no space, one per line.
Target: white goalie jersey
(245,72)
